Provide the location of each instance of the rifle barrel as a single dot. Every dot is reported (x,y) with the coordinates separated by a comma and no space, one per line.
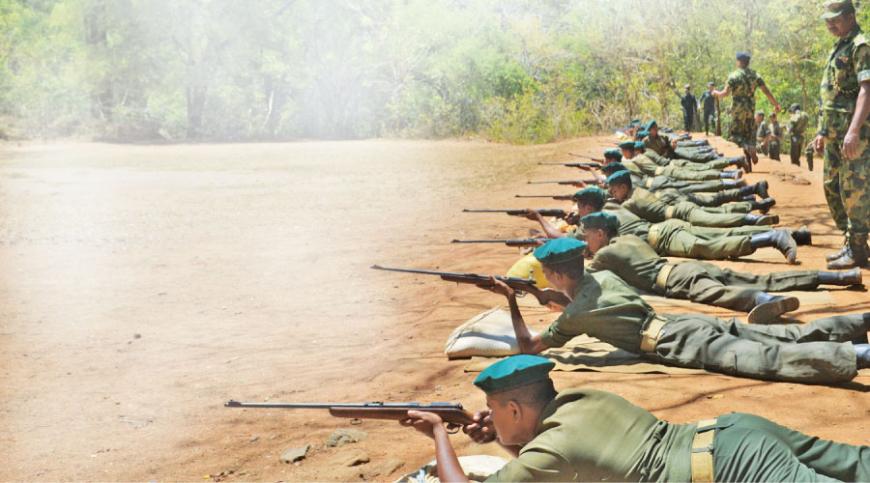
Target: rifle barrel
(365,405)
(478,241)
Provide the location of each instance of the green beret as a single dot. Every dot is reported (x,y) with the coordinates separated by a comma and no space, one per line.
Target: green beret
(635,122)
(613,153)
(601,221)
(835,8)
(514,372)
(639,145)
(592,194)
(619,177)
(651,125)
(626,145)
(560,250)
(611,168)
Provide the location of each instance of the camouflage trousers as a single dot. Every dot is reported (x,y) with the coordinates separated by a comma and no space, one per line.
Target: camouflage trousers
(742,131)
(846,188)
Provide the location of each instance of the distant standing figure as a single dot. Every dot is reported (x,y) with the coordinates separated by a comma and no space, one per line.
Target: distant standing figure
(774,144)
(708,104)
(797,128)
(762,133)
(844,133)
(690,105)
(742,83)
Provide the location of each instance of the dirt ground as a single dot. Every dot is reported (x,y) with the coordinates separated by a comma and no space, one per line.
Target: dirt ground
(142,286)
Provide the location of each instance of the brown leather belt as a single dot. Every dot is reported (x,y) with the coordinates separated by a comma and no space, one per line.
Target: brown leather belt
(649,337)
(702,451)
(662,278)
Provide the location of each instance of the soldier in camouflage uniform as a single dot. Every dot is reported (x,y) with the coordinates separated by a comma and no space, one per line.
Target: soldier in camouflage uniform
(844,133)
(762,134)
(797,128)
(742,84)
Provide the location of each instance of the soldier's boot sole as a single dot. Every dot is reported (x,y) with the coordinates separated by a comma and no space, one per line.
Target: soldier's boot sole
(767,220)
(770,311)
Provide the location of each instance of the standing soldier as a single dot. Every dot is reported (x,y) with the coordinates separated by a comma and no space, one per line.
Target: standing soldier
(797,128)
(774,146)
(762,133)
(708,102)
(690,105)
(742,83)
(843,133)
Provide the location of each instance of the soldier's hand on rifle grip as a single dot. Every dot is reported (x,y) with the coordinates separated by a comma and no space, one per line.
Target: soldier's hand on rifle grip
(481,430)
(497,286)
(423,422)
(533,215)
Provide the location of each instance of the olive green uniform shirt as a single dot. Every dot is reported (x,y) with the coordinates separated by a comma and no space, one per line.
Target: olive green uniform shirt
(589,435)
(660,145)
(604,307)
(632,259)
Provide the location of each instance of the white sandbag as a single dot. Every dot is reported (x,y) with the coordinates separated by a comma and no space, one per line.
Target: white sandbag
(489,334)
(476,467)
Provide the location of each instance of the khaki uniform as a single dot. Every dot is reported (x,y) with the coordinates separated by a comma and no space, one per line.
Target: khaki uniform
(605,307)
(634,261)
(643,165)
(743,83)
(716,164)
(846,181)
(630,444)
(647,205)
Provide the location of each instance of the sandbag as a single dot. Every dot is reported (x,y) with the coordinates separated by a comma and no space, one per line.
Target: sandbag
(476,467)
(488,334)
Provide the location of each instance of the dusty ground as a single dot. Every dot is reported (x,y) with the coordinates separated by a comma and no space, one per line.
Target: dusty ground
(141,287)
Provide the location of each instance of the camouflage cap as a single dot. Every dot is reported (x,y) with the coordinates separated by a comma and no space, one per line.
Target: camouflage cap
(835,8)
(744,56)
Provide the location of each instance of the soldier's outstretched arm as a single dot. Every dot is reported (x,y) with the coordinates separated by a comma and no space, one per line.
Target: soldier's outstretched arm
(853,135)
(528,343)
(723,93)
(432,426)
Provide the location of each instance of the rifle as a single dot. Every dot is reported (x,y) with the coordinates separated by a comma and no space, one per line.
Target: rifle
(553,197)
(567,182)
(453,414)
(574,165)
(590,158)
(511,242)
(521,285)
(544,212)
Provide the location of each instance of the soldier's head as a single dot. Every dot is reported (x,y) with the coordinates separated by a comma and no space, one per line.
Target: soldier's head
(839,16)
(653,128)
(562,262)
(759,117)
(627,148)
(773,116)
(688,88)
(743,59)
(794,107)
(619,185)
(612,155)
(517,391)
(591,198)
(598,229)
(710,86)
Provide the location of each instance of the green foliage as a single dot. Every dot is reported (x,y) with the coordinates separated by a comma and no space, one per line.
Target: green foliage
(519,71)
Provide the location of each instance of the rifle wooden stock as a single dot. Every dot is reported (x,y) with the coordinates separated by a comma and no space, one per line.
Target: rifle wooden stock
(453,414)
(521,285)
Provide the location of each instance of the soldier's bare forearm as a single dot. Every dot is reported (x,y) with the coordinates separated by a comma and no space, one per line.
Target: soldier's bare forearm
(449,468)
(862,109)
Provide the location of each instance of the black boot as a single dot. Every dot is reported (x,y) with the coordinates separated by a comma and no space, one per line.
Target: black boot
(764,205)
(842,279)
(760,220)
(769,307)
(779,239)
(761,189)
(839,253)
(855,257)
(802,236)
(738,161)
